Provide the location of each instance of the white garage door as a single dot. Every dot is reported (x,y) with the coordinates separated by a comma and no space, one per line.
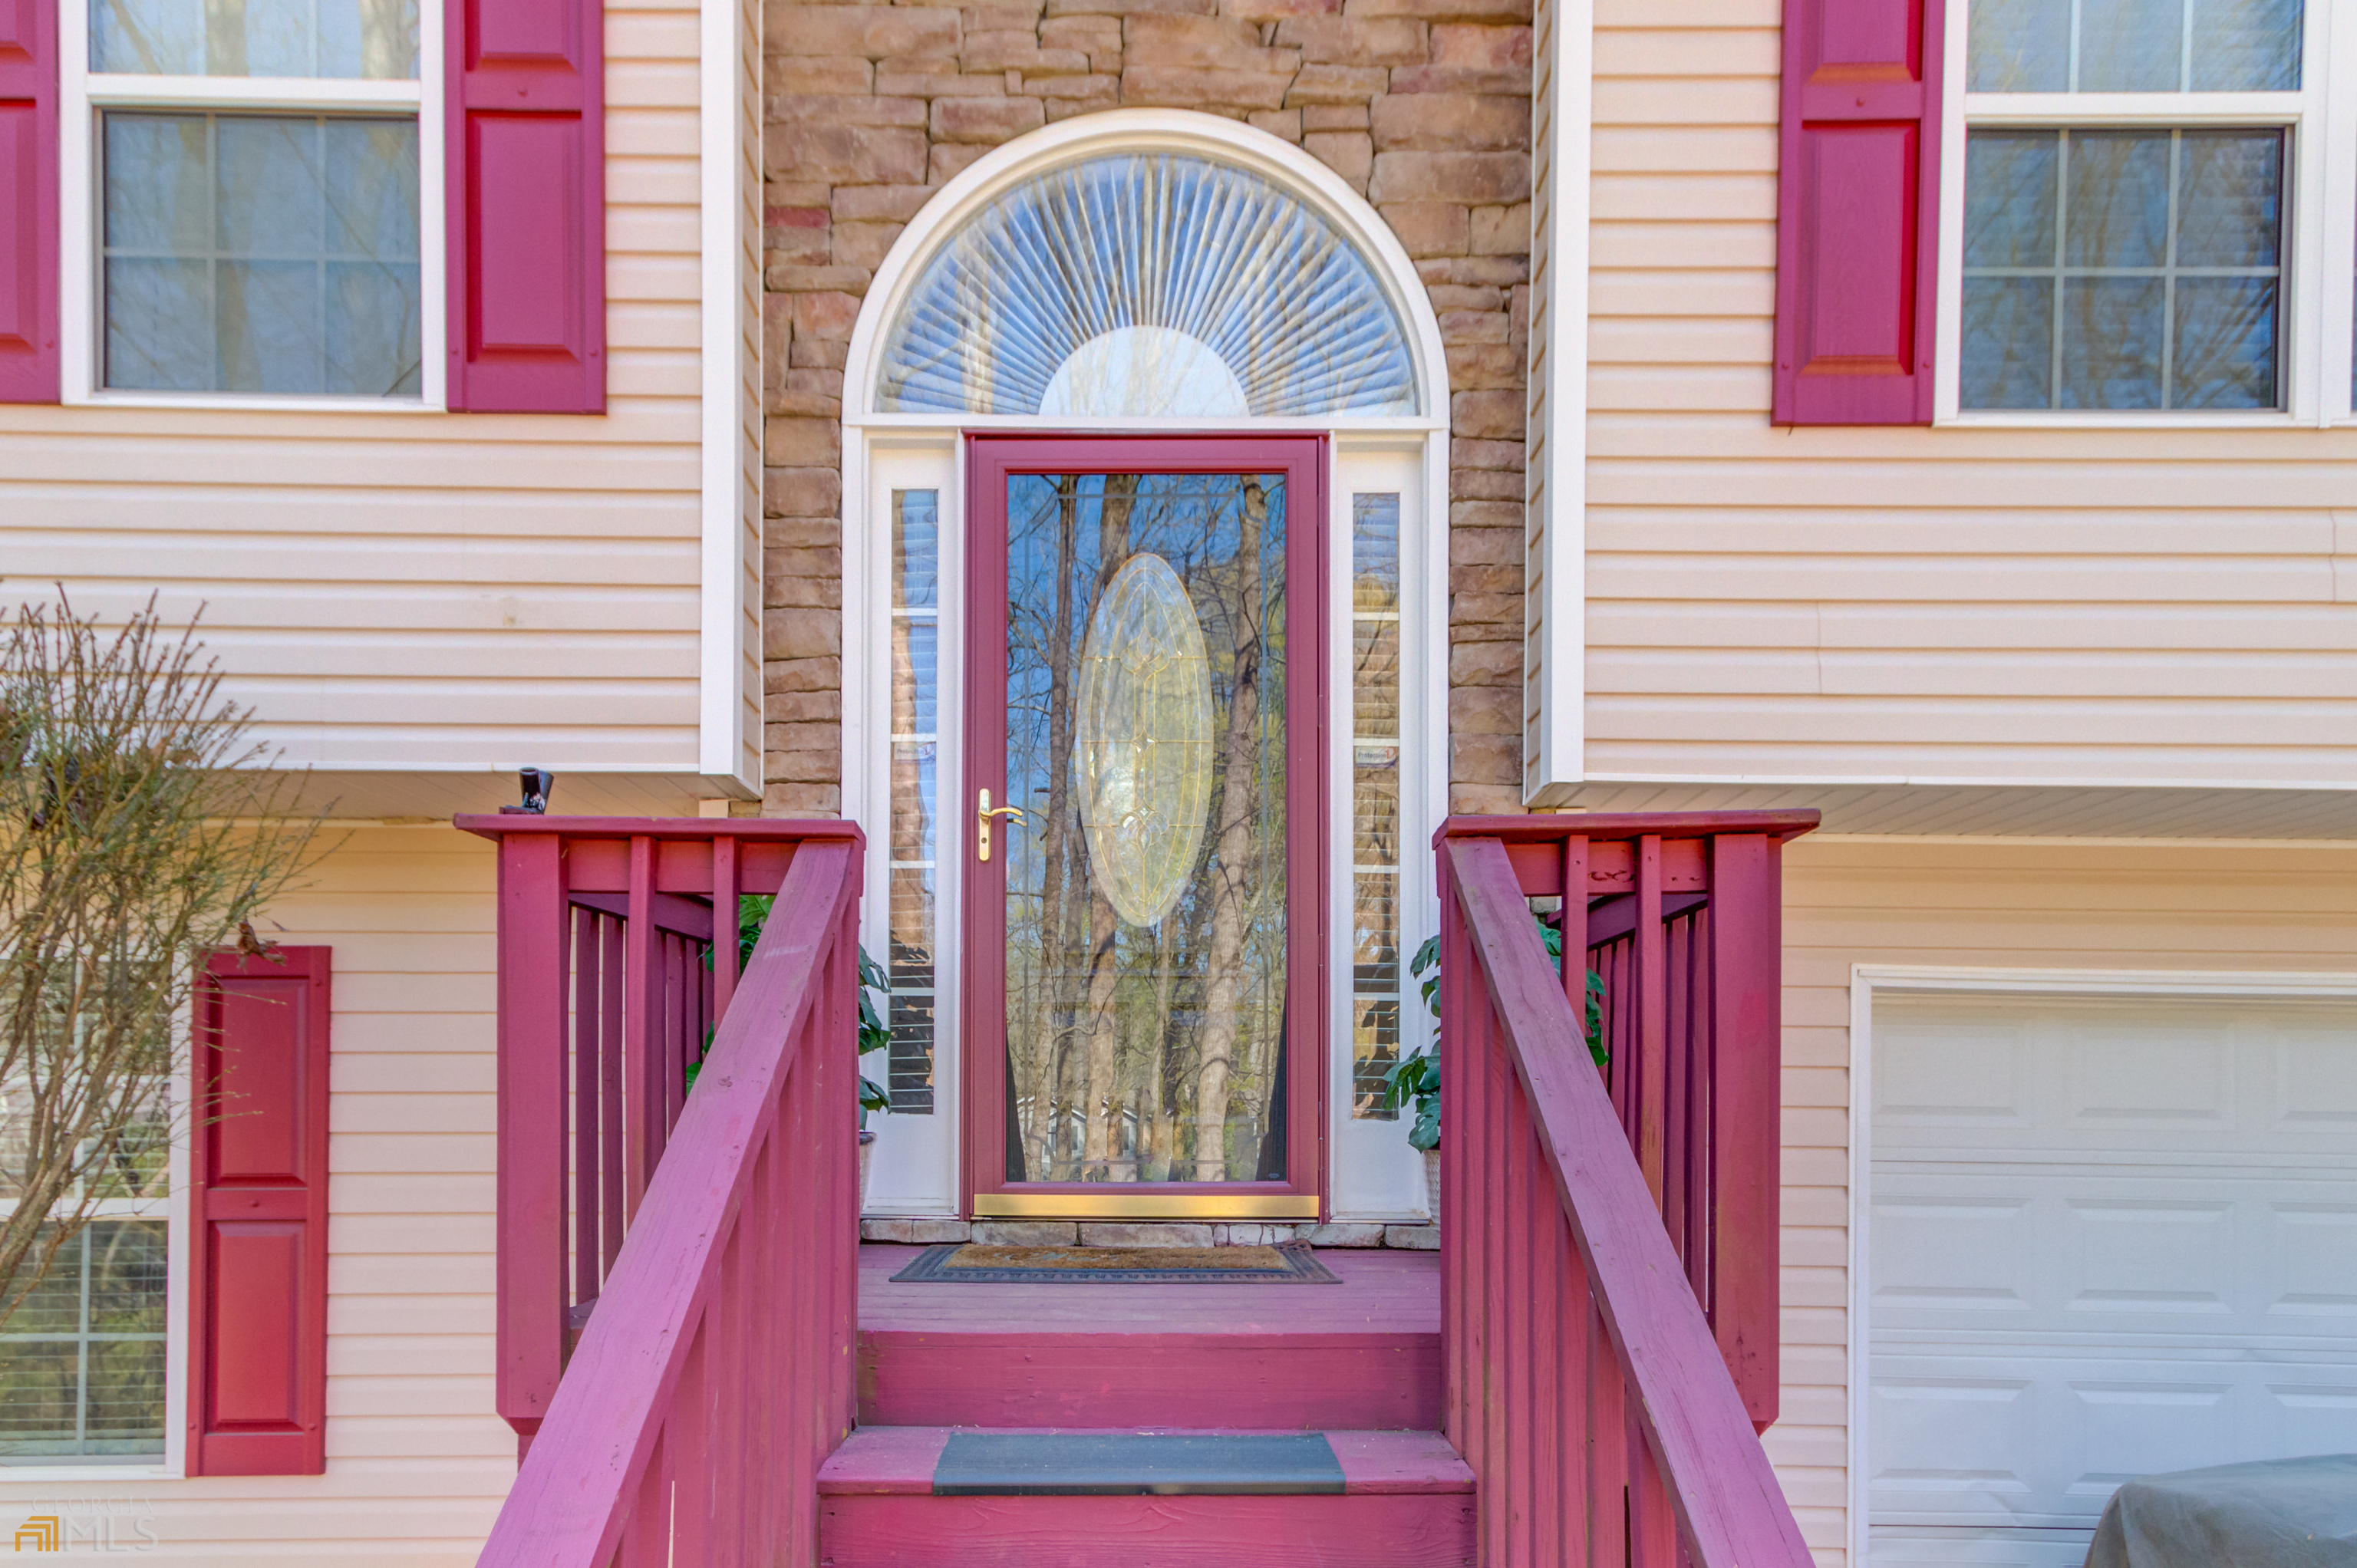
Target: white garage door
(2105,1238)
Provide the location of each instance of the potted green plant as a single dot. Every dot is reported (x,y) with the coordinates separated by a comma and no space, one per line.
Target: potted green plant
(1414,1080)
(875,1035)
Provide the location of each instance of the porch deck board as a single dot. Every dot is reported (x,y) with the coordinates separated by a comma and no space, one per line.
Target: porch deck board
(1381,1292)
(1364,1354)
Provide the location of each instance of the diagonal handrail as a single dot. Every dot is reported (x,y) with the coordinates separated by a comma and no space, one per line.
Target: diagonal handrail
(1728,1508)
(725,1330)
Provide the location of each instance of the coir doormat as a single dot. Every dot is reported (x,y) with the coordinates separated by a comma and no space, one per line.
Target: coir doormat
(968,1262)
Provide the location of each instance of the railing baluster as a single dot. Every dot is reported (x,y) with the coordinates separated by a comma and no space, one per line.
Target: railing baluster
(1652,1527)
(586,1271)
(1608,1446)
(641,1052)
(646,1538)
(726,895)
(1650,1088)
(611,1103)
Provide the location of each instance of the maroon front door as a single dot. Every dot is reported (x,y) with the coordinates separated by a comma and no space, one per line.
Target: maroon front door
(1147,768)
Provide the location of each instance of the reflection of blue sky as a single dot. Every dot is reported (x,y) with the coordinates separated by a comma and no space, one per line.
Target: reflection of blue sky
(1217,256)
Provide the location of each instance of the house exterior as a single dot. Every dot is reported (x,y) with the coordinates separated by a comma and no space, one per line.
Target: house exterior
(1929,416)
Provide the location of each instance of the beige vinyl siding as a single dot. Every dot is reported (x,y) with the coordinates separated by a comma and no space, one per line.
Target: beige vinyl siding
(417,591)
(2050,903)
(2060,604)
(417,1461)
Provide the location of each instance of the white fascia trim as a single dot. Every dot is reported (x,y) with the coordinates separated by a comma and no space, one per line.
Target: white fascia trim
(1937,781)
(721,750)
(1866,980)
(1142,129)
(1562,651)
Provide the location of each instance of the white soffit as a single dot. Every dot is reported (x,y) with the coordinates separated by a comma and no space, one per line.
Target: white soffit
(2006,810)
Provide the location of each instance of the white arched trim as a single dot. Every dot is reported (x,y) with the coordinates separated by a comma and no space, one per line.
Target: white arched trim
(1375,1175)
(1147,130)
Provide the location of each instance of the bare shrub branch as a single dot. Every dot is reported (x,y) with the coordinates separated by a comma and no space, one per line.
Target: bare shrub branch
(141,827)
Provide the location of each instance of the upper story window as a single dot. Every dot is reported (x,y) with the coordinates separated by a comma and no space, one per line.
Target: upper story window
(258,196)
(2130,195)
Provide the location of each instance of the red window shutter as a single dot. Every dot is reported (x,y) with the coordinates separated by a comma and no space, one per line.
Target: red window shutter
(527,206)
(258,1278)
(28,202)
(1856,207)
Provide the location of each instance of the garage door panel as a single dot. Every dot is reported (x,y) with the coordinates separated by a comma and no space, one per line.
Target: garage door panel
(1980,1548)
(2115,1250)
(2312,1259)
(2107,1077)
(1987,1432)
(2148,1255)
(2146,1075)
(1957,1255)
(2105,1238)
(2316,1414)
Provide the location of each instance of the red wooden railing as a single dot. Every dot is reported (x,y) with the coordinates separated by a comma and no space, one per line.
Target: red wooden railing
(610,979)
(716,1372)
(1609,1291)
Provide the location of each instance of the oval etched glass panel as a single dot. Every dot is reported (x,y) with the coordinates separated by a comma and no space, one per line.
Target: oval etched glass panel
(1144,739)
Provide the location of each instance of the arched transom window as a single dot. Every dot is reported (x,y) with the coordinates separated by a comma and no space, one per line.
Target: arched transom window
(1147,284)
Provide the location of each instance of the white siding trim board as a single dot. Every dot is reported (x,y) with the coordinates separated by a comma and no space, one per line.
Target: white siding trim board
(728,132)
(1554,585)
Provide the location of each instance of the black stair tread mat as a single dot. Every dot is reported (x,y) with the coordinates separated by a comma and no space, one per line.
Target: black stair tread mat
(1061,1464)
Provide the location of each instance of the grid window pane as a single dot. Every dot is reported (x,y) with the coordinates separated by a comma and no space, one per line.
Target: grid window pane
(916,705)
(1374,799)
(2110,342)
(2134,45)
(2225,350)
(2245,46)
(2019,46)
(375,40)
(2117,210)
(2123,269)
(2229,199)
(262,254)
(2010,207)
(2131,45)
(81,1362)
(2008,359)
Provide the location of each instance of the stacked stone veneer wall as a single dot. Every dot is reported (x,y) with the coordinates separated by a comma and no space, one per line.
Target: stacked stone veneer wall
(1423,106)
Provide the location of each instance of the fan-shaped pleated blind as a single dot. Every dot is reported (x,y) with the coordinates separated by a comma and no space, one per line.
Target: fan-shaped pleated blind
(1140,277)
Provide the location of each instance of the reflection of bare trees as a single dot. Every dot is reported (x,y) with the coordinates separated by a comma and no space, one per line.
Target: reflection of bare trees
(1129,1047)
(1238,777)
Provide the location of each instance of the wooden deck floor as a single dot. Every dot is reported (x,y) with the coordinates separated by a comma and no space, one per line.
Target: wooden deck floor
(1381,1292)
(1364,1354)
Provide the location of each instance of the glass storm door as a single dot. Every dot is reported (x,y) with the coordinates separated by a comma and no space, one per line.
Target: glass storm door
(1146,760)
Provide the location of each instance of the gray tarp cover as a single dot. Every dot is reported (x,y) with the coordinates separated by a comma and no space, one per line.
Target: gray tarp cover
(2285,1513)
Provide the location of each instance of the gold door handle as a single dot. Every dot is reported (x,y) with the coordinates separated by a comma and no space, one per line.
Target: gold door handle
(983,812)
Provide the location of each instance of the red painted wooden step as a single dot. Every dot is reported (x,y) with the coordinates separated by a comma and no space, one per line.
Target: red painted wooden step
(1364,1354)
(1405,1502)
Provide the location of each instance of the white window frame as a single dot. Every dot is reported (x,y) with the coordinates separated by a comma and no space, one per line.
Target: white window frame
(2319,252)
(83,95)
(173,1209)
